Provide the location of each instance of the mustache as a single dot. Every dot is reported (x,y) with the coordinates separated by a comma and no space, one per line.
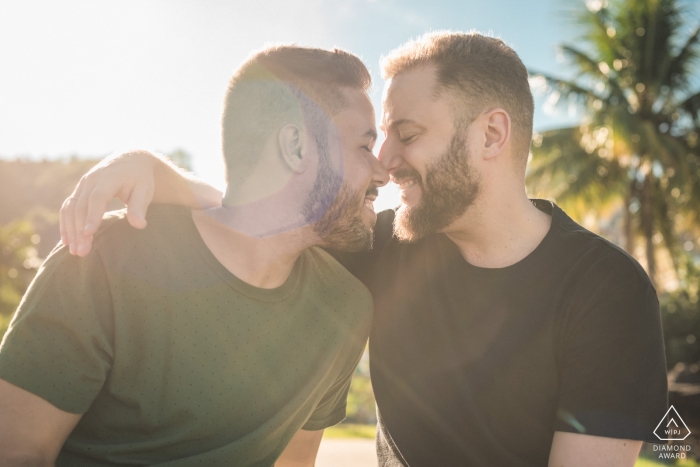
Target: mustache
(406,173)
(372,191)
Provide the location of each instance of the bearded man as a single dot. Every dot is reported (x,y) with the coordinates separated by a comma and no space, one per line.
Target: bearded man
(212,337)
(504,333)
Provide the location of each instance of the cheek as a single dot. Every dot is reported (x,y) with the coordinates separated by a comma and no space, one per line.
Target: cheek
(426,152)
(364,171)
(357,170)
(417,157)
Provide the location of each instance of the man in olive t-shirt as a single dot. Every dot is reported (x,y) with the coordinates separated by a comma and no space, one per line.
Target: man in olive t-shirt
(217,337)
(175,361)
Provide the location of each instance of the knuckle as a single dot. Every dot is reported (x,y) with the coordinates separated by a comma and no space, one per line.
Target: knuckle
(99,192)
(67,204)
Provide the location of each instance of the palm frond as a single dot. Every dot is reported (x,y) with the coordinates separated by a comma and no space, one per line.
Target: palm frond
(675,68)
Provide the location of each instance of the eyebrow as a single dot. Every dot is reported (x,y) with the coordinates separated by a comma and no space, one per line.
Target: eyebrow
(403,121)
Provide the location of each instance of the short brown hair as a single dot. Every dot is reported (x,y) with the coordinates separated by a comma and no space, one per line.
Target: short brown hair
(280,85)
(482,71)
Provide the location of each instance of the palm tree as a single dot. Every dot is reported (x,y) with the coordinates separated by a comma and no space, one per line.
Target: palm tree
(638,145)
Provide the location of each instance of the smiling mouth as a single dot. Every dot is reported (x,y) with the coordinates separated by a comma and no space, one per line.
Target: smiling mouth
(406,177)
(370,196)
(406,183)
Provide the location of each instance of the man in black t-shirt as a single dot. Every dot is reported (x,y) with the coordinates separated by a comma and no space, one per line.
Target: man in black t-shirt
(504,333)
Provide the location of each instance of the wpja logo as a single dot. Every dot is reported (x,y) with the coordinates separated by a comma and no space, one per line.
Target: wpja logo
(672,428)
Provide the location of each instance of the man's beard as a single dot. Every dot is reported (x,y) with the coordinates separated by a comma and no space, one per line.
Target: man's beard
(449,189)
(341,227)
(335,210)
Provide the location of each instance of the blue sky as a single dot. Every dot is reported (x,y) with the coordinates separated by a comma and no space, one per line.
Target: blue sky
(87,77)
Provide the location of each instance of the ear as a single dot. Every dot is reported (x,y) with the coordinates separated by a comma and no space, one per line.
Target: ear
(292,145)
(496,132)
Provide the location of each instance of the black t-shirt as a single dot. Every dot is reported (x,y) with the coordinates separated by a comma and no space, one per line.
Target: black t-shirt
(479,367)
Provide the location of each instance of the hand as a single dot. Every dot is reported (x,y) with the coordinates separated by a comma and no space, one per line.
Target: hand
(128,177)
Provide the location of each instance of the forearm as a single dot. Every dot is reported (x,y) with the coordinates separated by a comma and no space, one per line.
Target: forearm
(301,450)
(24,460)
(137,178)
(578,450)
(175,186)
(32,430)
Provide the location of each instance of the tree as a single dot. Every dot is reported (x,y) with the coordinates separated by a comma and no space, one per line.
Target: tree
(18,265)
(638,144)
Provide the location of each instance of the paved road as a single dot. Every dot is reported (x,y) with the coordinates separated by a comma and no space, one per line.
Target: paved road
(346,453)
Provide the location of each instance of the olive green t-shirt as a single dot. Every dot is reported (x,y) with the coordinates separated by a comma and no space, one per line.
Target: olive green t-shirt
(176,362)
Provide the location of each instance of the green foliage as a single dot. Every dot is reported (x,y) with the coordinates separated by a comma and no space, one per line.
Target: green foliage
(637,149)
(361,404)
(27,185)
(31,193)
(680,313)
(35,190)
(4,323)
(18,264)
(351,430)
(645,462)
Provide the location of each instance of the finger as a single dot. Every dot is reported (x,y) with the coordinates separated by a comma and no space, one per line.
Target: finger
(137,205)
(96,205)
(72,234)
(80,212)
(65,218)
(96,208)
(62,224)
(84,245)
(68,225)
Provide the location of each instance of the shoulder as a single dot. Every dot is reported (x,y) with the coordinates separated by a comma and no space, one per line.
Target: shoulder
(326,269)
(335,284)
(596,260)
(164,222)
(604,290)
(115,222)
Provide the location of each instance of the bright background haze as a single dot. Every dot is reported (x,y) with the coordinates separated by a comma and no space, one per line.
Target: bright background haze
(85,78)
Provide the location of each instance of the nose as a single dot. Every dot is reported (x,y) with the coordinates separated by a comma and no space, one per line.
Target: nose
(388,156)
(380,176)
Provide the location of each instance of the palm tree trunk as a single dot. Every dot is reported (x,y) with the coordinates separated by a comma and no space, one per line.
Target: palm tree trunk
(647,209)
(629,235)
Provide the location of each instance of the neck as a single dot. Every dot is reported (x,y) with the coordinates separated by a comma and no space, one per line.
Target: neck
(276,213)
(264,262)
(499,229)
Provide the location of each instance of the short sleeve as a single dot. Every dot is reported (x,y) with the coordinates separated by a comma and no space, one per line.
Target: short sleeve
(331,409)
(59,343)
(613,371)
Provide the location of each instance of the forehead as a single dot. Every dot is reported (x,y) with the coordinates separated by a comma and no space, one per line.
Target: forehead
(357,117)
(410,96)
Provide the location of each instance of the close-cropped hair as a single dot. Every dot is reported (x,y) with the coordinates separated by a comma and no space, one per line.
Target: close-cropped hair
(480,72)
(280,85)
